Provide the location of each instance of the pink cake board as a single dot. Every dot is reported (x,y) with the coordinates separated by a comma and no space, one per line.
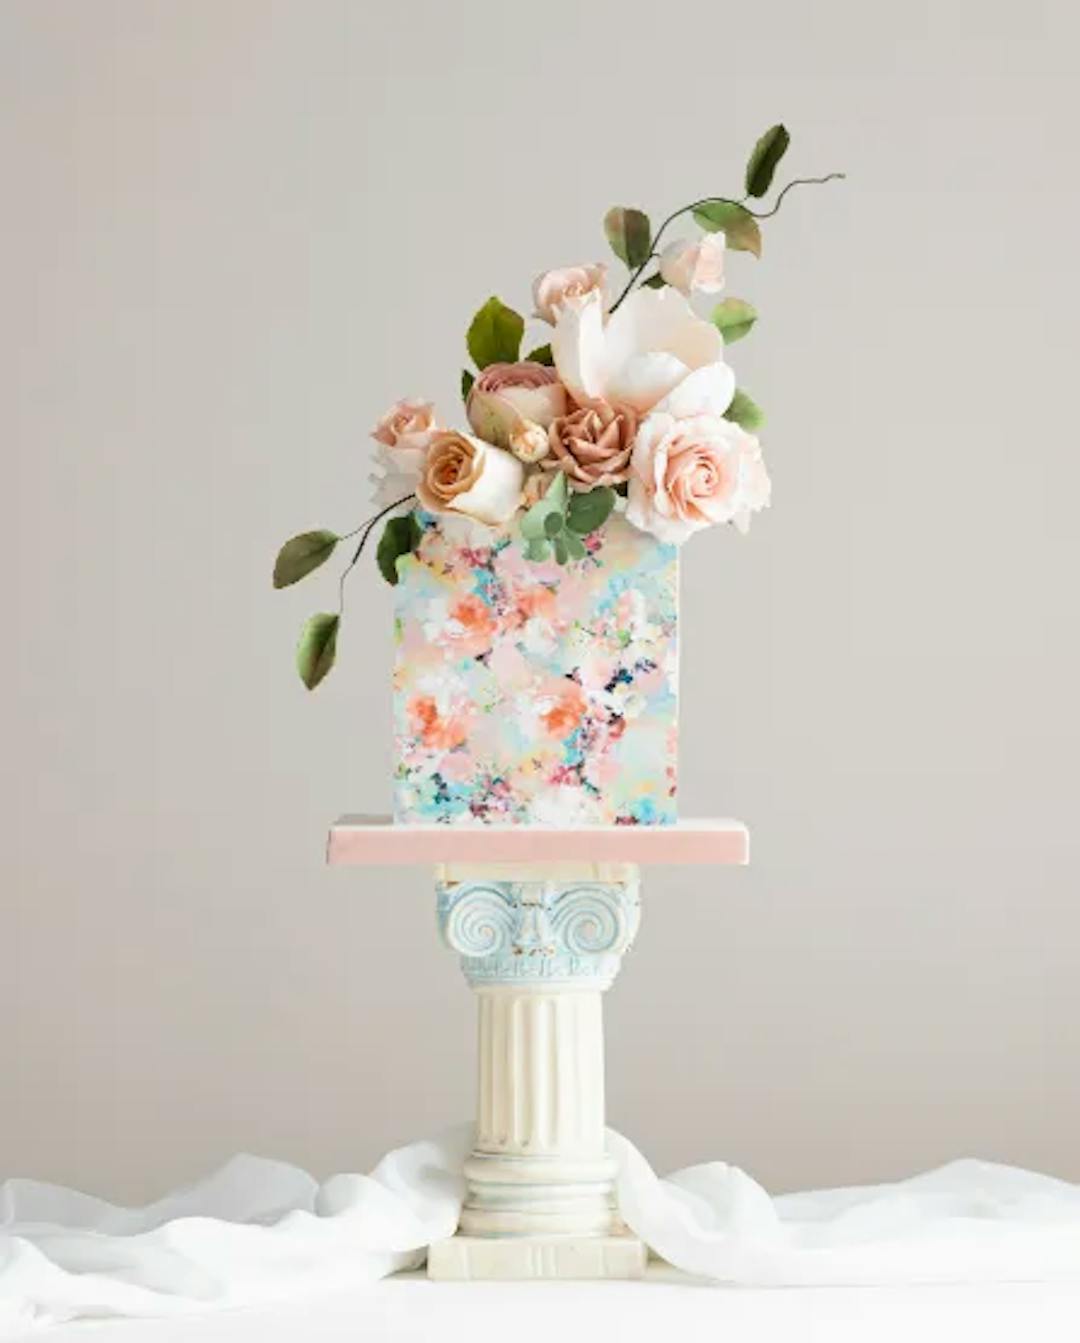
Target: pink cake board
(375,841)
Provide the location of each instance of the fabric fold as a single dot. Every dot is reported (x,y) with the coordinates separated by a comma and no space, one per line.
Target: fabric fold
(262,1232)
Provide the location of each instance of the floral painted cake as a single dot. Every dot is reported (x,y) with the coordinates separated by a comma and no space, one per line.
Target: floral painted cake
(524,692)
(534,554)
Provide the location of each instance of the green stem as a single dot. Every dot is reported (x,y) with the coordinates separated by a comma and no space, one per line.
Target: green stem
(717,200)
(366,528)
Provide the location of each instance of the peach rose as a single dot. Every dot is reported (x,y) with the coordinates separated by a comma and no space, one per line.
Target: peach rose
(691,468)
(557,289)
(463,474)
(507,397)
(694,267)
(593,445)
(403,435)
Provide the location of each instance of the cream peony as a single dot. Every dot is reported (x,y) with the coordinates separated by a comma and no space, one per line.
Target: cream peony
(566,287)
(463,474)
(640,354)
(691,468)
(506,398)
(403,435)
(694,267)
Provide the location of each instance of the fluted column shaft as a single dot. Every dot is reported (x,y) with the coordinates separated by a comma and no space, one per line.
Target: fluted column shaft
(540,952)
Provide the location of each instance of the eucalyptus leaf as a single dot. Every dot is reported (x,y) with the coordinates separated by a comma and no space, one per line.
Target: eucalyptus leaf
(534,521)
(740,228)
(734,318)
(766,154)
(317,648)
(400,537)
(575,546)
(558,492)
(467,381)
(541,355)
(562,550)
(495,334)
(537,550)
(300,556)
(588,511)
(554,524)
(654,281)
(745,412)
(630,235)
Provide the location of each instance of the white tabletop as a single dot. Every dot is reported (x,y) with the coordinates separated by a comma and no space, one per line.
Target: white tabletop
(668,1307)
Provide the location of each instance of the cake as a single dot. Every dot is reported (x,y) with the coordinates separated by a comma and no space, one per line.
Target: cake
(527,693)
(534,555)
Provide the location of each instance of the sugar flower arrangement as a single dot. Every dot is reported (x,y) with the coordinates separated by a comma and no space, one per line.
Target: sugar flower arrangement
(628,406)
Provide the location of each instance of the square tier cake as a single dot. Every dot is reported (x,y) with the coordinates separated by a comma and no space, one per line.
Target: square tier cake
(529,693)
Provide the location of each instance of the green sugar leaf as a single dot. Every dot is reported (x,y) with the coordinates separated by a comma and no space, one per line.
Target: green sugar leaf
(495,334)
(302,555)
(317,648)
(734,318)
(400,537)
(740,228)
(764,157)
(630,235)
(745,412)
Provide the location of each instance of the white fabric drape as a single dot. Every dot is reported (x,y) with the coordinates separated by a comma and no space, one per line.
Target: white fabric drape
(260,1232)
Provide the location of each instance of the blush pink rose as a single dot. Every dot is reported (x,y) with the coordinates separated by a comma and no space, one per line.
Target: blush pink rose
(558,289)
(407,424)
(403,434)
(694,267)
(691,468)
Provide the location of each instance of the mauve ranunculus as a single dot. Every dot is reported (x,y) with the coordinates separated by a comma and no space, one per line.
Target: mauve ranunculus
(558,289)
(691,468)
(505,396)
(593,445)
(463,474)
(694,267)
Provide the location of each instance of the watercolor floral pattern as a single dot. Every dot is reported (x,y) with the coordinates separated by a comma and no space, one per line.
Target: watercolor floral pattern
(526,693)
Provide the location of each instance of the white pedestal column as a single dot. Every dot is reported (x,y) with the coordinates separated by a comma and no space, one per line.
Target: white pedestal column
(539,945)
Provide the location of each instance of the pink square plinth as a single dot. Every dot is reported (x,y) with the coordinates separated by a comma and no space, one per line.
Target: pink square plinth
(377,841)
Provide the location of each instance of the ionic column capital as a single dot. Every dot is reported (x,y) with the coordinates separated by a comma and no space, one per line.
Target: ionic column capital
(539,932)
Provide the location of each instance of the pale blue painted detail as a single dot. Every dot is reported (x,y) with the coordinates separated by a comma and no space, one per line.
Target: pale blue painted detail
(507,932)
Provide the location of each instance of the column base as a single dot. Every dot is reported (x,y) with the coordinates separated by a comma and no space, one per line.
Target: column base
(491,1259)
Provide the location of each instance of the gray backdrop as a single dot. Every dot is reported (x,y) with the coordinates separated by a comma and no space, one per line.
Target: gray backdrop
(233,233)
